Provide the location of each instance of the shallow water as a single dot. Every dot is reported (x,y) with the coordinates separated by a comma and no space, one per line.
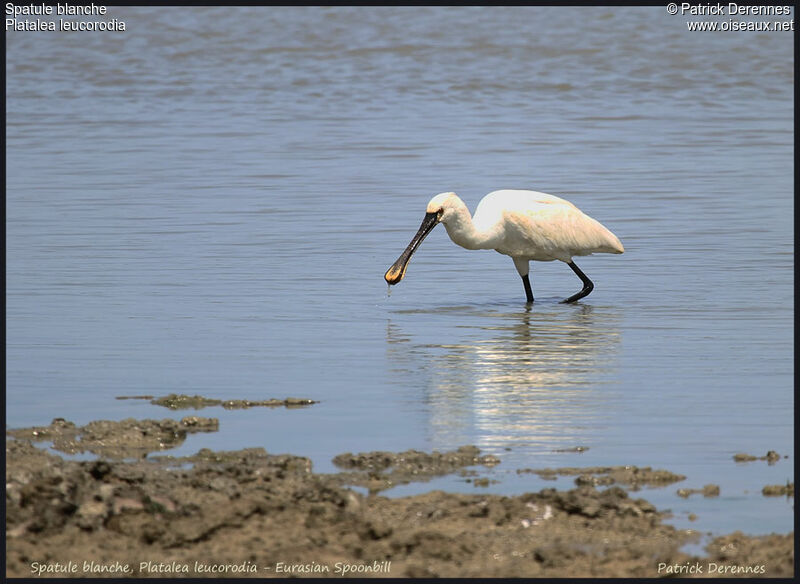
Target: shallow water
(207,202)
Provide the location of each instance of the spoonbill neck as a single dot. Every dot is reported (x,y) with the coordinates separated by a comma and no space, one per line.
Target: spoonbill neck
(462,230)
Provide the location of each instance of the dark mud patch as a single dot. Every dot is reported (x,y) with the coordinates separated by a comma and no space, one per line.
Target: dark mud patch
(175,401)
(771,457)
(576,449)
(482,482)
(128,438)
(257,510)
(706,491)
(134,397)
(632,477)
(778,490)
(378,471)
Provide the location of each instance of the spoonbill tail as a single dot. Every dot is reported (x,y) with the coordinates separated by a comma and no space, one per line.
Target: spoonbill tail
(525,225)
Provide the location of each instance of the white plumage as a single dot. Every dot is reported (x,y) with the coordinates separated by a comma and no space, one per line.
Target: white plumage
(525,225)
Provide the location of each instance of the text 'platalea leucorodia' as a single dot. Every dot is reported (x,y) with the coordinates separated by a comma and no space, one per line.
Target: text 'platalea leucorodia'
(525,225)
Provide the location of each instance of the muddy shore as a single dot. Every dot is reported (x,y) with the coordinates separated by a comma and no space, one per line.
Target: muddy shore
(249,513)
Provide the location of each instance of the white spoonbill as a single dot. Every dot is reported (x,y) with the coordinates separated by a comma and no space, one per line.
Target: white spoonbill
(525,225)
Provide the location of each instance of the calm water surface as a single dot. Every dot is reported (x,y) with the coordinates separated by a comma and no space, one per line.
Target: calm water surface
(207,202)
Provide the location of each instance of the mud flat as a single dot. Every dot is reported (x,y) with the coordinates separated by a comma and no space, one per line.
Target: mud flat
(250,513)
(179,401)
(771,457)
(378,471)
(632,477)
(128,438)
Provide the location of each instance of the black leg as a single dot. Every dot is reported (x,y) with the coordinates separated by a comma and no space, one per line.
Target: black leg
(528,292)
(587,284)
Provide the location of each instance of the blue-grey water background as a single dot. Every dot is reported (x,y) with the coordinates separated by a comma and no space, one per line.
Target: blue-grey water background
(206,204)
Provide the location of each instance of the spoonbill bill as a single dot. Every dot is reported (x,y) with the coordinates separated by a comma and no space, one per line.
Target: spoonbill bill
(525,225)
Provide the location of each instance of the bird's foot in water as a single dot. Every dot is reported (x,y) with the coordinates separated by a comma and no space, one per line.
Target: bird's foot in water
(578,296)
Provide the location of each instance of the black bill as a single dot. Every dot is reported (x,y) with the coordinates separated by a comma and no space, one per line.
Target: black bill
(395,273)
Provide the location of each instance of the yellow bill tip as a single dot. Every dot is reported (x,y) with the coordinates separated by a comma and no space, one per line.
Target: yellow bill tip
(394,275)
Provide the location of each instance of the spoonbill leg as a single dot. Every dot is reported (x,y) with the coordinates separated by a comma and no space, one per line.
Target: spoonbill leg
(528,292)
(523,267)
(587,284)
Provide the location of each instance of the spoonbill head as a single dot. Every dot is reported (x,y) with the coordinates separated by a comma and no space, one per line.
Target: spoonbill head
(525,225)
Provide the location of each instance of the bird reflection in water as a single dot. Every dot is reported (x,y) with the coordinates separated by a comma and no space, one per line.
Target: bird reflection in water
(522,377)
